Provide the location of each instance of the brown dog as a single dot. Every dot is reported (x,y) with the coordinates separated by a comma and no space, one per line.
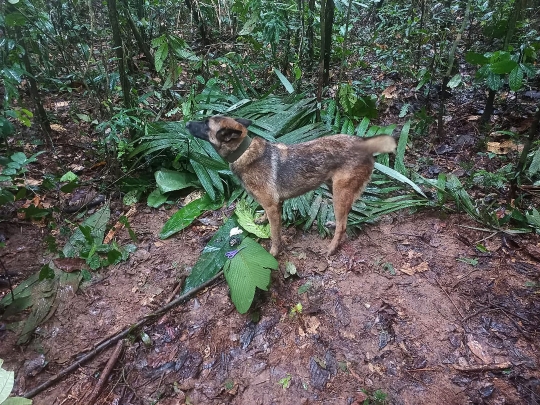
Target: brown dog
(274,172)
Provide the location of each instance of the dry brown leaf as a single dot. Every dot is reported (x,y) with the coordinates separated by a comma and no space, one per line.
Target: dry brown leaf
(502,148)
(390,92)
(410,270)
(118,226)
(70,264)
(58,128)
(477,349)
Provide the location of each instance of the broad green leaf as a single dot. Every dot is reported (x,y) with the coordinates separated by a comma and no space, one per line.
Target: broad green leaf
(6,196)
(247,270)
(161,55)
(503,67)
(399,177)
(156,199)
(362,128)
(97,223)
(286,83)
(186,215)
(6,127)
(212,258)
(205,179)
(245,218)
(7,379)
(534,168)
(170,180)
(69,176)
(15,19)
(17,401)
(494,81)
(43,296)
(454,81)
(399,164)
(515,79)
(24,289)
(533,218)
(476,58)
(19,157)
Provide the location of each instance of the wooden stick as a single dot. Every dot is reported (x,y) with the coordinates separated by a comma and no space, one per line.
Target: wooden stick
(105,374)
(120,335)
(485,367)
(448,295)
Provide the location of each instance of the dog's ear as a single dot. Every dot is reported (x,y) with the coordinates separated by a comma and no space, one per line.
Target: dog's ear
(243,121)
(227,134)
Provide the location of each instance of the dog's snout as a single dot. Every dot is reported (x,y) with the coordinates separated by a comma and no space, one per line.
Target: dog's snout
(189,124)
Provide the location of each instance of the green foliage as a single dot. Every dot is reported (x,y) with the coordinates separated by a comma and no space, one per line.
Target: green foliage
(13,169)
(187,214)
(356,107)
(7,380)
(42,291)
(247,269)
(244,215)
(495,65)
(213,256)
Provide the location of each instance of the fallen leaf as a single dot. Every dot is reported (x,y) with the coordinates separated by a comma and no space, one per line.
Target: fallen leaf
(70,264)
(390,92)
(477,349)
(503,148)
(410,270)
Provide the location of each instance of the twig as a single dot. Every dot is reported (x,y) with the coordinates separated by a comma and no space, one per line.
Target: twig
(484,367)
(487,237)
(171,297)
(476,228)
(448,295)
(105,374)
(464,277)
(120,335)
(476,313)
(412,370)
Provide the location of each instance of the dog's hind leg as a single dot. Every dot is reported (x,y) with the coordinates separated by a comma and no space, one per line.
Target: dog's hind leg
(347,187)
(273,212)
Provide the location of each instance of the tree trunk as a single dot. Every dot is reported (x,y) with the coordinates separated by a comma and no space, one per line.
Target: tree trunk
(451,57)
(309,31)
(345,38)
(486,116)
(326,45)
(119,49)
(138,36)
(534,130)
(41,114)
(201,25)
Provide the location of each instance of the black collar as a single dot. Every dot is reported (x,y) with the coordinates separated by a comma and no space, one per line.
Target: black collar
(233,157)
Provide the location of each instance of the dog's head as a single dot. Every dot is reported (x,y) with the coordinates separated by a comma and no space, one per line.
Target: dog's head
(224,133)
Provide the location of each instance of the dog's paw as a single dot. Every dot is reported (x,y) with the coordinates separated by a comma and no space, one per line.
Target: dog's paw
(274,251)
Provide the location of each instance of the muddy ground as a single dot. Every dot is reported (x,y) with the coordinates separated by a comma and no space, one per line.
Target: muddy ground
(408,312)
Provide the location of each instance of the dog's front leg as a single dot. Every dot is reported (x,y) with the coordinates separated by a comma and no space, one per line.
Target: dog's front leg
(273,212)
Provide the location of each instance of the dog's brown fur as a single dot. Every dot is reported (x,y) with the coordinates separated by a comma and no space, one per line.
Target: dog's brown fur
(274,172)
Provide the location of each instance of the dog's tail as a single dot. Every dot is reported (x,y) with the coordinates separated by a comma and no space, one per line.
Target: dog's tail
(380,144)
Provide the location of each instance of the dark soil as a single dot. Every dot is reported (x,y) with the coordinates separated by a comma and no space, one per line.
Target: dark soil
(396,310)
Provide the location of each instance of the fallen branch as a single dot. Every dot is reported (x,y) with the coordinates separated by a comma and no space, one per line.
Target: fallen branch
(485,367)
(105,374)
(104,344)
